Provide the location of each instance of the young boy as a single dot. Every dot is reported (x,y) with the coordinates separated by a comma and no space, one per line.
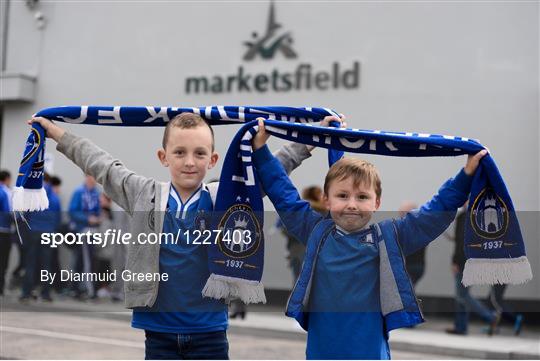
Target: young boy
(179,323)
(353,288)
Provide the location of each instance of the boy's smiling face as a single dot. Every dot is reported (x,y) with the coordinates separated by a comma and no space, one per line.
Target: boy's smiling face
(189,155)
(351,207)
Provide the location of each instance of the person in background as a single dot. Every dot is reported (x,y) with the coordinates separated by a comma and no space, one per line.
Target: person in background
(56,183)
(496,297)
(112,257)
(39,256)
(464,302)
(84,212)
(5,225)
(18,272)
(58,285)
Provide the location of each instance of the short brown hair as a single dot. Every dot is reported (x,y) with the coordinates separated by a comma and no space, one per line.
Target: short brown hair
(186,121)
(360,170)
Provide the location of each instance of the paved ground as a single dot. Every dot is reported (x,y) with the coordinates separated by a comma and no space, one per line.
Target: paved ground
(57,335)
(61,331)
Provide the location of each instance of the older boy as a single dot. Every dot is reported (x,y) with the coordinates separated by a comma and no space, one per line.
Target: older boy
(353,288)
(178,322)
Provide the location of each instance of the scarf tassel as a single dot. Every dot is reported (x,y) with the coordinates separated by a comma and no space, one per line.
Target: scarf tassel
(29,199)
(496,271)
(224,287)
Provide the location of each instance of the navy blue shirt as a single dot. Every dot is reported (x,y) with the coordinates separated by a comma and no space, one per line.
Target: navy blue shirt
(180,306)
(347,313)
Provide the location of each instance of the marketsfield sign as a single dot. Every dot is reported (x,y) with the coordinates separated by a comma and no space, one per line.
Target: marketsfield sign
(298,77)
(303,77)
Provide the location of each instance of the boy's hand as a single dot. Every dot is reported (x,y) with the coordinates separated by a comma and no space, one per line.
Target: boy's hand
(330,118)
(326,123)
(259,140)
(473,161)
(52,130)
(262,136)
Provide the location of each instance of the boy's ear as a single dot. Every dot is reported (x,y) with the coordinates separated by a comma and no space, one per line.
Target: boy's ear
(213,160)
(162,158)
(377,203)
(326,202)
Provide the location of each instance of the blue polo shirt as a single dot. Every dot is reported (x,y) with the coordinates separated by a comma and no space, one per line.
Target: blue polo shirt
(180,306)
(344,308)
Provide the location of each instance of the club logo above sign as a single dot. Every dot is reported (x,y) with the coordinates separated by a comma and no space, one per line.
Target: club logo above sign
(271,42)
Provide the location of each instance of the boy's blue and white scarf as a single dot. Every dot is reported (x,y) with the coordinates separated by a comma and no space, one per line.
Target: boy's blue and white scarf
(493,241)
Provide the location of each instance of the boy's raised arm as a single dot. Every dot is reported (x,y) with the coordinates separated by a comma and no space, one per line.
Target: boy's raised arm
(120,183)
(421,226)
(295,213)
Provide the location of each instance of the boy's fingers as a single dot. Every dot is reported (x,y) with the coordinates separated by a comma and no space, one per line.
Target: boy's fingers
(261,124)
(38,119)
(473,160)
(480,154)
(331,118)
(343,120)
(262,136)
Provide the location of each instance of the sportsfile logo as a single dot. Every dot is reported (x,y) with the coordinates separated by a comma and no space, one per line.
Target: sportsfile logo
(272,42)
(276,45)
